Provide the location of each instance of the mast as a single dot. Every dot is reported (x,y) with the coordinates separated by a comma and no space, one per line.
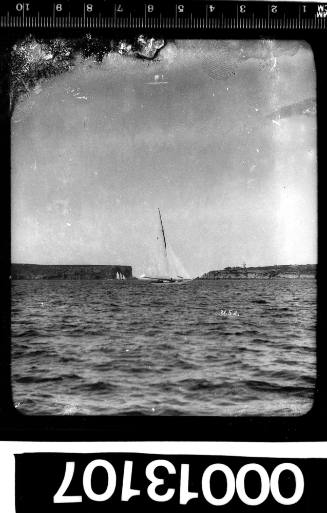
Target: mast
(163,233)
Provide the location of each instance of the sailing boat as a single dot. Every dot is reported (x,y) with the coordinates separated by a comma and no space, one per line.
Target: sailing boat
(173,269)
(120,276)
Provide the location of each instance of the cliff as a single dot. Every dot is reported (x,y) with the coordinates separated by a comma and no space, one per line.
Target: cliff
(69,272)
(267,272)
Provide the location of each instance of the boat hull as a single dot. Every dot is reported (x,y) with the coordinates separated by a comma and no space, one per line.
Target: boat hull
(164,281)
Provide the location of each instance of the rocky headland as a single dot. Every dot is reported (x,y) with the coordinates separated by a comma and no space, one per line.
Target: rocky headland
(70,272)
(267,272)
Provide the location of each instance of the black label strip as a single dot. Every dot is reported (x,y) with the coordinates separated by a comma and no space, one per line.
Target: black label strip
(142,482)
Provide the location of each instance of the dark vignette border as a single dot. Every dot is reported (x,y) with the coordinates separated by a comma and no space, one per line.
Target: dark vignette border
(16,426)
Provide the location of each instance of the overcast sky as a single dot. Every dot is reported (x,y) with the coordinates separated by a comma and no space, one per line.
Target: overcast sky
(220,135)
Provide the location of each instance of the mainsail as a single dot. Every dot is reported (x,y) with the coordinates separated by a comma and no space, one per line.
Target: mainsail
(176,268)
(169,266)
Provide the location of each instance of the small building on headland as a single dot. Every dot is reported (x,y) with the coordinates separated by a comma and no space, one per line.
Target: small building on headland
(70,272)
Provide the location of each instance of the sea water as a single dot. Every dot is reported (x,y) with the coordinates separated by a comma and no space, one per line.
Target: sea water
(224,347)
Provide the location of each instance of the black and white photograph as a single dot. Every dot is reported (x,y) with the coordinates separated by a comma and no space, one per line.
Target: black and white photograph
(163,227)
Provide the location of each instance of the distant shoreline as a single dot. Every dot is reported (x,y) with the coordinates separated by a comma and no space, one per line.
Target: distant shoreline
(70,272)
(264,272)
(118,272)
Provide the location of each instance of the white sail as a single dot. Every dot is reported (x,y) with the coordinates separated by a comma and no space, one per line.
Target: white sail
(169,267)
(120,276)
(176,268)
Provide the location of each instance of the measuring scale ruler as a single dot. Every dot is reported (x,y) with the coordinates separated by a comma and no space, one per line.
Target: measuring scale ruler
(194,15)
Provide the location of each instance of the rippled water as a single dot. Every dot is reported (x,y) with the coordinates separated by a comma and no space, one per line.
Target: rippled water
(131,348)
